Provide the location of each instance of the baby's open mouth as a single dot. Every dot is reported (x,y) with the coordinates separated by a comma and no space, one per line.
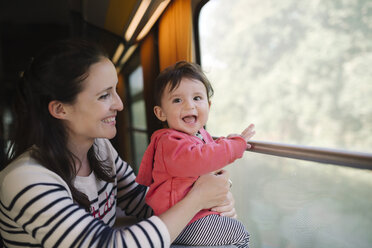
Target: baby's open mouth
(189,119)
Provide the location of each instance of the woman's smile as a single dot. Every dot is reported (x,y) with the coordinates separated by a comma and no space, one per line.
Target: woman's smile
(110,120)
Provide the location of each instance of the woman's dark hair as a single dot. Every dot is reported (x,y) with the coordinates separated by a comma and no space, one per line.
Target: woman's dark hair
(57,73)
(173,75)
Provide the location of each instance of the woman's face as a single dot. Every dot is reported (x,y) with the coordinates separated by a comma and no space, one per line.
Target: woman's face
(94,111)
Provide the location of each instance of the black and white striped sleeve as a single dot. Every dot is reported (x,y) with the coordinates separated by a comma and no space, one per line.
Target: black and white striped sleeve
(36,210)
(130,194)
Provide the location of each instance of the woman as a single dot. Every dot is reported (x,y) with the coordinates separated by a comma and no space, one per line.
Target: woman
(65,180)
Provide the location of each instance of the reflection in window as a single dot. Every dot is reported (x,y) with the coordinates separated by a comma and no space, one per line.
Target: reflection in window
(300,71)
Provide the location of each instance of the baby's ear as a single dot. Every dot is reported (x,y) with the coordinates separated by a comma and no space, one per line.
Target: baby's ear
(158,111)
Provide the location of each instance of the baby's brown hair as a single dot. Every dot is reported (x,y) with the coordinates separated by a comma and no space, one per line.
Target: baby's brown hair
(174,74)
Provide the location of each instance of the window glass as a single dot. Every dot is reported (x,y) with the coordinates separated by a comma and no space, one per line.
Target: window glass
(138,125)
(137,101)
(136,82)
(139,114)
(299,70)
(140,144)
(291,203)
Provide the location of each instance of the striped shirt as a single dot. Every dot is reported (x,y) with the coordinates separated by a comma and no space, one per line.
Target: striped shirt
(37,209)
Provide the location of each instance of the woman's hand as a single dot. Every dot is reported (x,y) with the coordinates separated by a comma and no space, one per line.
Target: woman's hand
(227,209)
(212,190)
(209,190)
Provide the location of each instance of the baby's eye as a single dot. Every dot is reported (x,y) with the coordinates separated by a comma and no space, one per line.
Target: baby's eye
(176,100)
(104,96)
(197,98)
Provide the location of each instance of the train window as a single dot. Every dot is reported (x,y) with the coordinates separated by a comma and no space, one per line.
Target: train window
(138,115)
(140,141)
(291,203)
(138,103)
(300,71)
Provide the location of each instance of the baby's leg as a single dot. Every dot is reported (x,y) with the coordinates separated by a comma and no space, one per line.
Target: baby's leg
(214,230)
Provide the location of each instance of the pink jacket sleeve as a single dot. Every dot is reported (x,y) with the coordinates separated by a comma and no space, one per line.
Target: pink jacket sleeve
(183,157)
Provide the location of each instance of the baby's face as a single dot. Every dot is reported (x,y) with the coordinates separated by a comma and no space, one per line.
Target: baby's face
(186,108)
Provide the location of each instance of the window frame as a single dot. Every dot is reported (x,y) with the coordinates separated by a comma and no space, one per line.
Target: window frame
(129,130)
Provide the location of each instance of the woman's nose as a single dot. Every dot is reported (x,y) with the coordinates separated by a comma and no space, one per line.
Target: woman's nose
(117,103)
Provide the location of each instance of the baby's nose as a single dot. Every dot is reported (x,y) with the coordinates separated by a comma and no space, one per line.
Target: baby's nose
(189,104)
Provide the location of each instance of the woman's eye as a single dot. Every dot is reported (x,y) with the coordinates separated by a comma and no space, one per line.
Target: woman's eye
(104,96)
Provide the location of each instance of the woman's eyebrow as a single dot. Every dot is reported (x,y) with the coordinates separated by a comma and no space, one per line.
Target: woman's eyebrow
(108,88)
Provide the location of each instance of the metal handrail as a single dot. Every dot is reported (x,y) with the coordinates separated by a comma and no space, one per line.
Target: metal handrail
(322,155)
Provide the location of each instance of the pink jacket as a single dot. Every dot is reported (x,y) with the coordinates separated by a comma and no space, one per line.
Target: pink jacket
(174,160)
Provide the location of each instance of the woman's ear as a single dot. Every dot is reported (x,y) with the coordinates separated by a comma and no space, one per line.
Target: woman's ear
(56,109)
(158,111)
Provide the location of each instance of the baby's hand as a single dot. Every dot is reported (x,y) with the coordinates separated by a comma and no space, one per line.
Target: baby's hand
(248,133)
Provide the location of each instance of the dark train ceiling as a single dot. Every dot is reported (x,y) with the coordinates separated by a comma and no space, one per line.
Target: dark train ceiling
(28,25)
(25,27)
